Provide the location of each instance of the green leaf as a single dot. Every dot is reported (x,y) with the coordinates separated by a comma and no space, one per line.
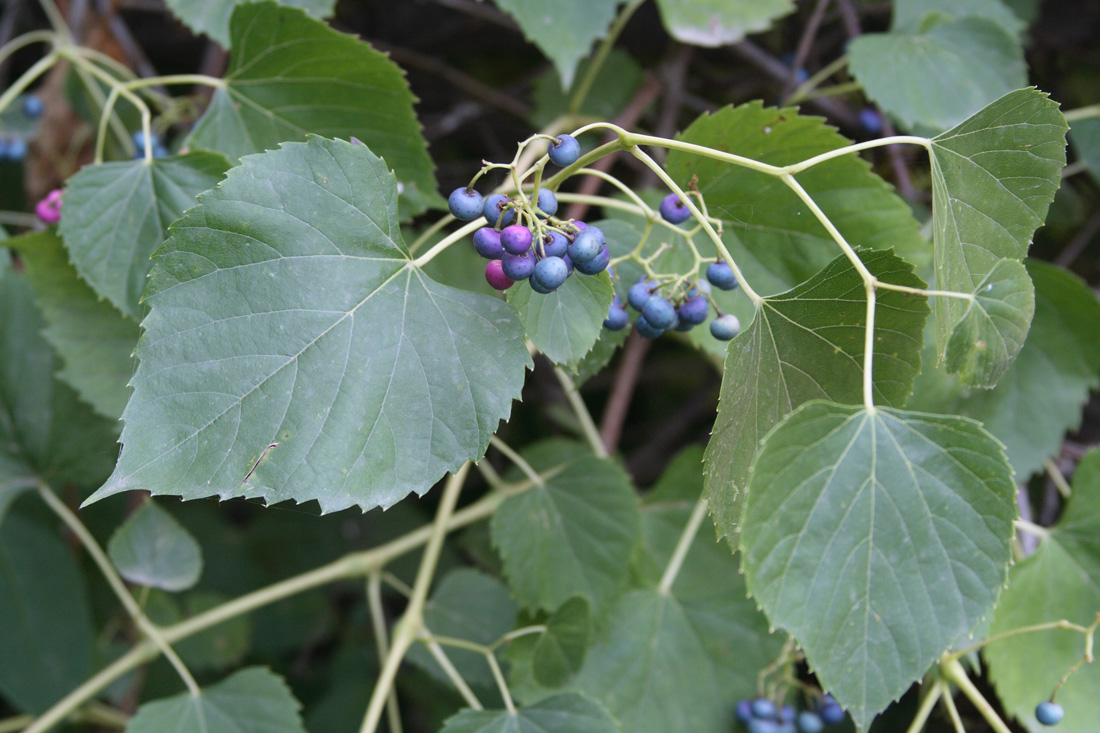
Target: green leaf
(323,364)
(46,432)
(992,329)
(568,712)
(573,535)
(1041,395)
(993,178)
(940,76)
(151,548)
(566,34)
(117,214)
(469,605)
(910,14)
(560,651)
(216,648)
(566,323)
(212,16)
(46,633)
(253,700)
(877,539)
(616,82)
(1085,136)
(809,344)
(715,23)
(93,338)
(778,240)
(1060,581)
(290,76)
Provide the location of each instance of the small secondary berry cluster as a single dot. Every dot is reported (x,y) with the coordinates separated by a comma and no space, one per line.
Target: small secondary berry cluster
(525,241)
(14,147)
(763,716)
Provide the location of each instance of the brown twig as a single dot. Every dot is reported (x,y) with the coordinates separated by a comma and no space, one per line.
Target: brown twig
(1080,240)
(622,390)
(805,43)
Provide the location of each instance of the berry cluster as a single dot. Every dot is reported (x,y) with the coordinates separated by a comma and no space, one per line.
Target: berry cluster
(762,716)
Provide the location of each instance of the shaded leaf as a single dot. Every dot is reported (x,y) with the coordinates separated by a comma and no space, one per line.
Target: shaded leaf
(939,76)
(1060,581)
(910,14)
(715,23)
(253,700)
(291,75)
(560,650)
(151,548)
(809,344)
(93,338)
(616,82)
(117,214)
(877,539)
(566,323)
(993,178)
(212,16)
(568,712)
(1085,136)
(46,633)
(323,364)
(218,647)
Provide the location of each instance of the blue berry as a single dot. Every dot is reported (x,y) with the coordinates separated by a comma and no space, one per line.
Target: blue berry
(720,275)
(17,149)
(693,311)
(160,151)
(870,120)
(744,710)
(550,272)
(786,714)
(564,150)
(554,244)
(495,212)
(810,722)
(32,106)
(139,140)
(830,711)
(646,329)
(517,267)
(465,204)
(660,314)
(762,725)
(516,239)
(597,264)
(487,243)
(617,317)
(764,709)
(568,263)
(586,246)
(674,210)
(546,202)
(3,148)
(639,293)
(726,328)
(539,287)
(1049,713)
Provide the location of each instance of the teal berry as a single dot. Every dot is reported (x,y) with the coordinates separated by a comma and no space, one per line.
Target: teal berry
(674,210)
(744,710)
(564,150)
(465,204)
(810,722)
(764,709)
(550,272)
(763,725)
(726,328)
(1049,713)
(617,317)
(720,275)
(659,312)
(554,244)
(597,264)
(546,202)
(32,106)
(17,149)
(538,287)
(586,246)
(139,140)
(497,210)
(694,310)
(831,712)
(639,293)
(646,329)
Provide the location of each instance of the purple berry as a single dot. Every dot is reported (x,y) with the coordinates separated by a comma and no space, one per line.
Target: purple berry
(487,243)
(870,120)
(674,210)
(564,150)
(518,267)
(831,712)
(516,239)
(494,275)
(744,710)
(554,244)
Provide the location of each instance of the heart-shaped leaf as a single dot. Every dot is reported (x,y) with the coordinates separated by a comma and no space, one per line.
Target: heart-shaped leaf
(715,23)
(212,16)
(151,548)
(568,712)
(566,323)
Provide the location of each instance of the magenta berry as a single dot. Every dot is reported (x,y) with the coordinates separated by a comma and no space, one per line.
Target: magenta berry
(49,208)
(494,275)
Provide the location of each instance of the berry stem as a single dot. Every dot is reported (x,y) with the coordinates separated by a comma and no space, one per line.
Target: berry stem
(24,40)
(926,705)
(518,460)
(683,545)
(954,672)
(1062,624)
(381,639)
(584,417)
(584,86)
(501,684)
(1057,478)
(953,713)
(435,648)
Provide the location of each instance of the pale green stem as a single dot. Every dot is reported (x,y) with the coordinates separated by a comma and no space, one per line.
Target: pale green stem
(489,474)
(518,460)
(1086,658)
(147,627)
(447,241)
(683,545)
(815,81)
(15,723)
(834,90)
(1056,476)
(407,629)
(849,149)
(18,219)
(588,425)
(39,68)
(1031,528)
(1077,166)
(621,186)
(517,633)
(381,638)
(449,669)
(717,240)
(1082,113)
(925,708)
(25,40)
(953,713)
(501,684)
(593,69)
(954,672)
(429,232)
(96,712)
(880,285)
